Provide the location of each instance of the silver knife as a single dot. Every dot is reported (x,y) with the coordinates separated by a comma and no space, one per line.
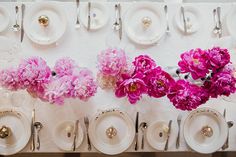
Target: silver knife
(89,17)
(168,135)
(32,148)
(22,22)
(136,131)
(184,20)
(218,10)
(120,21)
(75,135)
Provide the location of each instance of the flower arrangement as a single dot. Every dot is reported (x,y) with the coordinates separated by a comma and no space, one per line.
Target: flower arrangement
(210,67)
(66,80)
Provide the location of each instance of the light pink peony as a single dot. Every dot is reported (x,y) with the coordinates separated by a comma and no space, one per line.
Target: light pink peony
(9,79)
(65,66)
(111,61)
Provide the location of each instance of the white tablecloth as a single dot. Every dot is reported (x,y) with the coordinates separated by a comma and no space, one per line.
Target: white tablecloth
(84,46)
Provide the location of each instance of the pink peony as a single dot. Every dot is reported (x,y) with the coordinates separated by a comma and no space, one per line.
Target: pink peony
(221,83)
(186,96)
(9,79)
(111,61)
(158,82)
(218,58)
(34,74)
(144,63)
(65,66)
(194,62)
(133,87)
(84,85)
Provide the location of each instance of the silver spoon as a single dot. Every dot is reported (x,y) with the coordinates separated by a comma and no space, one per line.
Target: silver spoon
(116,25)
(143,127)
(16,26)
(38,127)
(226,144)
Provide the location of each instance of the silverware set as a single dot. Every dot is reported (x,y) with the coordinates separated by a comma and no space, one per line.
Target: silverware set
(75,135)
(230,124)
(77,24)
(35,129)
(86,122)
(217,30)
(117,25)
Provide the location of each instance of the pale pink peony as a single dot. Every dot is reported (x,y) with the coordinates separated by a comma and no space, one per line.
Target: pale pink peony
(9,79)
(65,66)
(111,61)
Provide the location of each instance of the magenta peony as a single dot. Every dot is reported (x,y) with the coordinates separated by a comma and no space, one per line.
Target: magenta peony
(186,96)
(143,63)
(221,83)
(194,62)
(132,87)
(218,58)
(158,82)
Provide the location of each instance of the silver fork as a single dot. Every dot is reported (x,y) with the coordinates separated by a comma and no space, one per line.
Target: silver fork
(178,136)
(167,19)
(86,122)
(77,25)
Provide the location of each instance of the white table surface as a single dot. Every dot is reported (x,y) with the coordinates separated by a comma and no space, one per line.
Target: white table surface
(84,46)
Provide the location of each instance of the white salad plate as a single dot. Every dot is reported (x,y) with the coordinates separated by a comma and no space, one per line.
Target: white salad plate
(193,125)
(121,122)
(231,22)
(133,23)
(60,135)
(192,17)
(98,13)
(4,18)
(19,125)
(157,134)
(45,35)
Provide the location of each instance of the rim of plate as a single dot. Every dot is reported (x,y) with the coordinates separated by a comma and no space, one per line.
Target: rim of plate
(26,123)
(79,138)
(189,9)
(41,6)
(4,25)
(93,124)
(154,8)
(223,134)
(232,31)
(102,7)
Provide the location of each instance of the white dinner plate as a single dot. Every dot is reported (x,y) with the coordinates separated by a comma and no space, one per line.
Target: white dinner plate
(98,13)
(4,18)
(231,22)
(192,16)
(19,125)
(193,125)
(9,51)
(57,23)
(157,134)
(135,29)
(121,122)
(61,139)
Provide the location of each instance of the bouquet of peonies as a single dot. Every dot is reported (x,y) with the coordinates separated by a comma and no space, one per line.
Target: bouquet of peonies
(212,67)
(66,80)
